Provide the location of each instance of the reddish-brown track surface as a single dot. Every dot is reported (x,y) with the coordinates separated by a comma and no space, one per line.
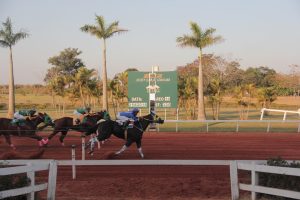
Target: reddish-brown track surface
(162,182)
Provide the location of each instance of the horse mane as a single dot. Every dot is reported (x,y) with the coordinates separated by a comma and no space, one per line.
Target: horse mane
(146,116)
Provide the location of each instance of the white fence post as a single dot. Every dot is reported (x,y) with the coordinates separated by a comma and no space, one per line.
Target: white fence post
(82,148)
(262,114)
(73,163)
(284,116)
(52,180)
(268,128)
(254,180)
(207,127)
(31,176)
(234,180)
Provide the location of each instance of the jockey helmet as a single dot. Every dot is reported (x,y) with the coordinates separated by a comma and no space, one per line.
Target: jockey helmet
(135,110)
(31,112)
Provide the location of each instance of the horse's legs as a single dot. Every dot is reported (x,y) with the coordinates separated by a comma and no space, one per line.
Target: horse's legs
(99,145)
(53,134)
(139,147)
(62,137)
(92,142)
(127,144)
(46,141)
(38,138)
(121,150)
(8,141)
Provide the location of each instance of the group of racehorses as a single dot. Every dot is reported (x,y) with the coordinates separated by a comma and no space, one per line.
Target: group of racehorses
(94,124)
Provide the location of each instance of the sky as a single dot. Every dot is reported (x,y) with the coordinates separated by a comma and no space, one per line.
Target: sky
(256,33)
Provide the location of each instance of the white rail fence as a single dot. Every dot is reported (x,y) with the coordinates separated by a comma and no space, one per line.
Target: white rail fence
(254,166)
(209,123)
(276,110)
(254,188)
(237,123)
(30,168)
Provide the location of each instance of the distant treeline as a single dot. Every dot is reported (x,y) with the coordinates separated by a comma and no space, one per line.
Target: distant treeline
(68,81)
(23,89)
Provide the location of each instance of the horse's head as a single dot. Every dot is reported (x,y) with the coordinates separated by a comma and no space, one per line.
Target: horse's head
(44,117)
(156,118)
(103,114)
(153,118)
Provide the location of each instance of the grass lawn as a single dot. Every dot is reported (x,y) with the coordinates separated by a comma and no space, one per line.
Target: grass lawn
(228,111)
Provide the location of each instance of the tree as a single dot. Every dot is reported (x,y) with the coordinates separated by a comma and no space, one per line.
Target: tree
(83,79)
(199,39)
(67,62)
(214,91)
(266,96)
(60,77)
(103,32)
(261,76)
(8,39)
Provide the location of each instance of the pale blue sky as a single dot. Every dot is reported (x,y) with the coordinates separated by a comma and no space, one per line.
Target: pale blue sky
(256,33)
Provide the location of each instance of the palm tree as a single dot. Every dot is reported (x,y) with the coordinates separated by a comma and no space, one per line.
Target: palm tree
(82,79)
(199,39)
(8,39)
(103,32)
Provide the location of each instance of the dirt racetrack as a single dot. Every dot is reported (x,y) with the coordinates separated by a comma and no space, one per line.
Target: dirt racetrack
(162,182)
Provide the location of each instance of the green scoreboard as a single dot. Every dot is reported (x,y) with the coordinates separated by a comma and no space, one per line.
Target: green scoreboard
(166,91)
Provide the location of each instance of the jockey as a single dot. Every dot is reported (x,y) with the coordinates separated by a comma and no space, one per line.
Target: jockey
(23,115)
(81,113)
(106,115)
(126,117)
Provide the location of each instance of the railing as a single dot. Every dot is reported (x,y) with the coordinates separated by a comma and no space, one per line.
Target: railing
(234,166)
(254,188)
(237,122)
(276,110)
(30,168)
(207,123)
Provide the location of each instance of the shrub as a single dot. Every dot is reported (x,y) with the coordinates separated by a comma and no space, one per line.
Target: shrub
(12,182)
(279,181)
(3,106)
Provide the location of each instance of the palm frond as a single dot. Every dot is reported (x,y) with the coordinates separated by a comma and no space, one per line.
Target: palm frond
(113,29)
(209,32)
(8,26)
(2,33)
(199,38)
(101,30)
(8,37)
(196,29)
(100,22)
(4,43)
(88,28)
(210,40)
(20,35)
(93,30)
(187,41)
(218,39)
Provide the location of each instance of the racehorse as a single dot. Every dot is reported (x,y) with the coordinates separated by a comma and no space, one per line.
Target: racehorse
(65,124)
(27,129)
(135,134)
